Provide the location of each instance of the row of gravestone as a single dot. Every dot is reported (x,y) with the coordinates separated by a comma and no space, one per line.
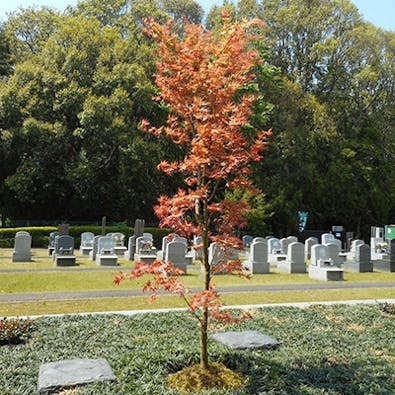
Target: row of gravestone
(105,250)
(324,258)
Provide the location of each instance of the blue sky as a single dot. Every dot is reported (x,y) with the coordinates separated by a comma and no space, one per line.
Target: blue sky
(379,12)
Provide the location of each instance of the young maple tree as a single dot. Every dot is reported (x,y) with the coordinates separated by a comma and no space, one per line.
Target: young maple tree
(200,76)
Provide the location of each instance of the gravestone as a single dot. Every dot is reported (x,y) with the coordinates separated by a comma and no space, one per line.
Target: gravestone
(138,231)
(175,253)
(216,257)
(22,247)
(387,263)
(361,261)
(334,251)
(119,247)
(51,242)
(105,255)
(321,265)
(61,375)
(145,250)
(327,238)
(308,244)
(63,254)
(247,240)
(197,249)
(22,232)
(350,256)
(257,262)
(295,262)
(246,340)
(92,254)
(275,253)
(86,245)
(167,239)
(377,244)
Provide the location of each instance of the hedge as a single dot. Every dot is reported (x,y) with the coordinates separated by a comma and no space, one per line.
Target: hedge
(40,234)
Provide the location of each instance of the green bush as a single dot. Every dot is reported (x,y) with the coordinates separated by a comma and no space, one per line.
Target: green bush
(40,234)
(14,330)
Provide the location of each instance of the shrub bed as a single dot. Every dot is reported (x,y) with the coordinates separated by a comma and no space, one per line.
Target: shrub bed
(325,350)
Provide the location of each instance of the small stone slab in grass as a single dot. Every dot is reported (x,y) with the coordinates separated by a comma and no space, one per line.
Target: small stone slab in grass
(246,340)
(72,372)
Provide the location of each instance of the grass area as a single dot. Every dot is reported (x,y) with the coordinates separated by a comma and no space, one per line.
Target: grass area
(329,350)
(229,299)
(69,280)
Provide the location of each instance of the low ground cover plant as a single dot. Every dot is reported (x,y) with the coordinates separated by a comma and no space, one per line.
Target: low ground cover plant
(325,350)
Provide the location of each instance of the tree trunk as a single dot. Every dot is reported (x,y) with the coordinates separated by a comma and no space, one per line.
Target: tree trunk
(203,340)
(207,280)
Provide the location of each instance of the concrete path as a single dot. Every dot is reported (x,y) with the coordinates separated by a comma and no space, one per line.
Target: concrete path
(117,293)
(301,305)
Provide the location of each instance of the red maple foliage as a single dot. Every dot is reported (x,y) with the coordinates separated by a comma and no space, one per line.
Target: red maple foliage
(200,76)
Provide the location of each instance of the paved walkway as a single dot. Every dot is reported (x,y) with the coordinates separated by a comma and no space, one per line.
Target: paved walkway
(117,293)
(301,305)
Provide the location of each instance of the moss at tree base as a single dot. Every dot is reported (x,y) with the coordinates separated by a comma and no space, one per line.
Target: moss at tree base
(194,378)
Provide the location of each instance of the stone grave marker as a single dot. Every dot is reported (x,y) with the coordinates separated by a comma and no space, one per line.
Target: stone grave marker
(246,340)
(63,254)
(86,245)
(105,255)
(295,262)
(92,254)
(61,375)
(387,263)
(145,250)
(119,248)
(322,266)
(175,253)
(51,242)
(308,244)
(361,260)
(22,247)
(257,262)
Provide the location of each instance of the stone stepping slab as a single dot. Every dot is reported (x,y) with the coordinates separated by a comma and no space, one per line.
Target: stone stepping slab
(246,340)
(54,376)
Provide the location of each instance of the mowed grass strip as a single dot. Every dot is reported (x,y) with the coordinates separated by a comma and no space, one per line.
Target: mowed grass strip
(166,301)
(26,282)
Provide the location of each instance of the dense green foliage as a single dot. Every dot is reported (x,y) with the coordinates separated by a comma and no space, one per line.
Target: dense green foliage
(325,350)
(75,86)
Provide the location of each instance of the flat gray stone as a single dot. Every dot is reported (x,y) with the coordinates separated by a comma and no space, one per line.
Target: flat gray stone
(69,373)
(246,340)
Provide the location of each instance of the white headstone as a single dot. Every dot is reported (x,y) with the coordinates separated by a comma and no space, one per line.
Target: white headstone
(22,247)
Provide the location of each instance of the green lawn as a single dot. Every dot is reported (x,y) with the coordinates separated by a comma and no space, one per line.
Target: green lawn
(166,301)
(331,350)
